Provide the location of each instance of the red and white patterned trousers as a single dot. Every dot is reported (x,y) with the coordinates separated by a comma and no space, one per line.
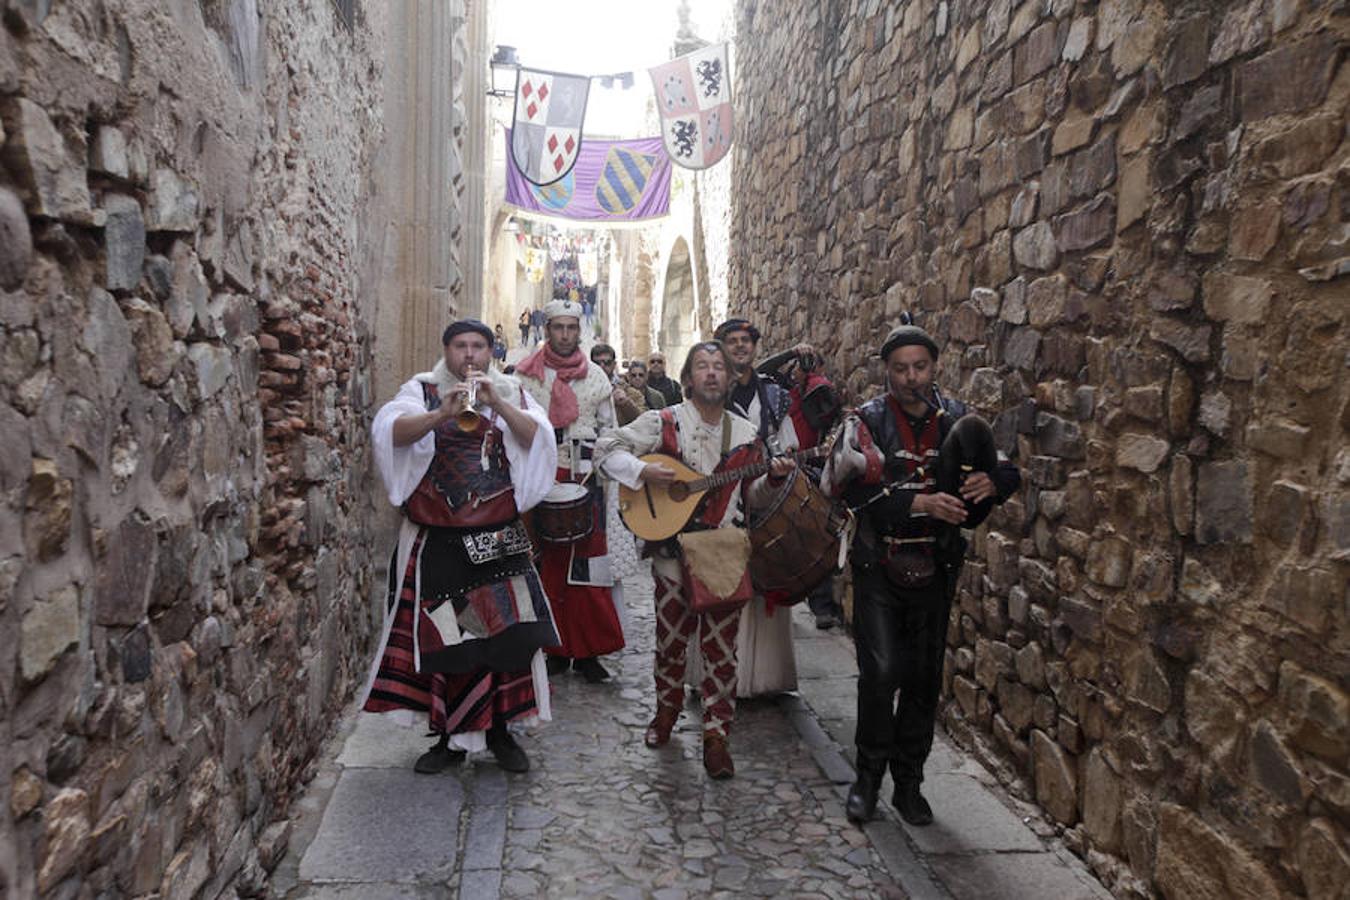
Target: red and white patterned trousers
(676,623)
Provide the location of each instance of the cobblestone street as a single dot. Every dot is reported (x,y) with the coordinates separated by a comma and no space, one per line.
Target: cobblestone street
(601,815)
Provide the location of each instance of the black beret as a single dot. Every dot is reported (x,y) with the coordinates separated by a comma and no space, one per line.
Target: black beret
(908,336)
(466,325)
(731,325)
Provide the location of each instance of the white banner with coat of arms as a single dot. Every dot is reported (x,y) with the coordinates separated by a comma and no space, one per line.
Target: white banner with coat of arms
(693,96)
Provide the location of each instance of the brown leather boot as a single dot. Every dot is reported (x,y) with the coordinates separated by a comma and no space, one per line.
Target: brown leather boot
(658,732)
(716,757)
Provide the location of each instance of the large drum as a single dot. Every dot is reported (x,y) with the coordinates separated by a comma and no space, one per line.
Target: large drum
(565,515)
(795,540)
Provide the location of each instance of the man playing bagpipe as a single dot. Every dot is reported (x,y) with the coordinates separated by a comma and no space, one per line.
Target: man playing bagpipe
(915,472)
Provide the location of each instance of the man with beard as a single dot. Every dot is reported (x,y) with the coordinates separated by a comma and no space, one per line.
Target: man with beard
(669,387)
(764,647)
(906,556)
(576,393)
(467,615)
(704,436)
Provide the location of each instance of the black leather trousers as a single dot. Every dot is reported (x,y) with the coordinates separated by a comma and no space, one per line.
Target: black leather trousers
(900,636)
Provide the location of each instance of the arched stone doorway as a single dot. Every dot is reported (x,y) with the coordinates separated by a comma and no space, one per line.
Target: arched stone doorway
(679,306)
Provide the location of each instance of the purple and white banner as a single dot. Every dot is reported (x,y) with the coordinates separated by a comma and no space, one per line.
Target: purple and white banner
(611,181)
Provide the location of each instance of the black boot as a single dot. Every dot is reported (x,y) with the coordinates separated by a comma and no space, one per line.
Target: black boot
(862,796)
(556,665)
(438,758)
(508,753)
(591,670)
(911,805)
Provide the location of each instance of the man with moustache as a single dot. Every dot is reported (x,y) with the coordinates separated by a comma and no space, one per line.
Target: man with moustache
(576,394)
(467,615)
(704,436)
(906,556)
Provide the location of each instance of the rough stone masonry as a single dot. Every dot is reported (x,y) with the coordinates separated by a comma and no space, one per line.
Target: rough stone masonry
(1127,222)
(184,492)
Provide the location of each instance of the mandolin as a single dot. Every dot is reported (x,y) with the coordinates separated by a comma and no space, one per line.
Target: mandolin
(655,512)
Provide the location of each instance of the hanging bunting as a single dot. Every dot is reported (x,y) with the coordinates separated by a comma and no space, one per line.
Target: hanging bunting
(546,129)
(693,96)
(612,181)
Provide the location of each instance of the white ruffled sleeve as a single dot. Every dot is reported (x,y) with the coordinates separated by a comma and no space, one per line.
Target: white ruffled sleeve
(401,468)
(533,467)
(617,452)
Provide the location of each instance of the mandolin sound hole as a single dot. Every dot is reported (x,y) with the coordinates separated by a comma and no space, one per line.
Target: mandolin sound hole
(678,491)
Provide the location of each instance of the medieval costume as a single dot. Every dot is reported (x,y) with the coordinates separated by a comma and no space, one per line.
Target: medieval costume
(768,664)
(578,576)
(680,431)
(905,567)
(467,614)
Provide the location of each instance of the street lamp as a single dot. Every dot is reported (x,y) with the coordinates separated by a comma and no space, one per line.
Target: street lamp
(504,65)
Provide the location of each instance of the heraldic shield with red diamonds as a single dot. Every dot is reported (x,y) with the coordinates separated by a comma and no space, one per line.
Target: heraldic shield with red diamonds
(546,136)
(693,96)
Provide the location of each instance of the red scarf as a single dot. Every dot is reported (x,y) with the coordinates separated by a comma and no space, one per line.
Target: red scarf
(562,400)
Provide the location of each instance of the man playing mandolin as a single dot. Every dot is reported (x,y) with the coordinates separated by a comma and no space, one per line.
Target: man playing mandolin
(704,437)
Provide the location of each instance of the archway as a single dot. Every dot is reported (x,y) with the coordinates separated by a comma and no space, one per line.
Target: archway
(679,308)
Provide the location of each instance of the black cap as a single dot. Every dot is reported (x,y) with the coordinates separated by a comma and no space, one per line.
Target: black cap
(907,336)
(466,325)
(731,325)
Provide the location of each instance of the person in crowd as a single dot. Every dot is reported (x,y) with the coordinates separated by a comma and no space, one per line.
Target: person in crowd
(657,378)
(626,405)
(637,379)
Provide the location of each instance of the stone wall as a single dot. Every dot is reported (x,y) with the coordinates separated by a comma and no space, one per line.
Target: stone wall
(186,209)
(1126,222)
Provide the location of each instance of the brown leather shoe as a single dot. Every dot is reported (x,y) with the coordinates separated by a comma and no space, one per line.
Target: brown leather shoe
(658,732)
(716,757)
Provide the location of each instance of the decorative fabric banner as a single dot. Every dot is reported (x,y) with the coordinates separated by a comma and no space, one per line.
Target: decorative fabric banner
(588,267)
(550,108)
(535,260)
(693,96)
(612,181)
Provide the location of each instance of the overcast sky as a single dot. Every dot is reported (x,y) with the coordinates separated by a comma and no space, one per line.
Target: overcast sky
(599,37)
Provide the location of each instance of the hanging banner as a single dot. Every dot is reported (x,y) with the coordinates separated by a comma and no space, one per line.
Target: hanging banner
(535,262)
(693,96)
(588,267)
(550,108)
(612,181)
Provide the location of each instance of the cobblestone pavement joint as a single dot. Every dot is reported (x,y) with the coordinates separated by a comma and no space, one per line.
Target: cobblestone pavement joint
(600,815)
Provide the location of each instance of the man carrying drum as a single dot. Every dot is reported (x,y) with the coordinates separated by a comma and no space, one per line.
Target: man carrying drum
(906,556)
(700,433)
(463,451)
(768,665)
(578,576)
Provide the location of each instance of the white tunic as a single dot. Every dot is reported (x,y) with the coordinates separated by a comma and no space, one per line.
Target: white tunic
(767,664)
(595,410)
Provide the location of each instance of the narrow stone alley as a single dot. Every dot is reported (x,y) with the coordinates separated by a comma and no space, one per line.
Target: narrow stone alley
(600,815)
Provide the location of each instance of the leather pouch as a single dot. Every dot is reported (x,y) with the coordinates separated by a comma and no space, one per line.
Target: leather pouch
(910,569)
